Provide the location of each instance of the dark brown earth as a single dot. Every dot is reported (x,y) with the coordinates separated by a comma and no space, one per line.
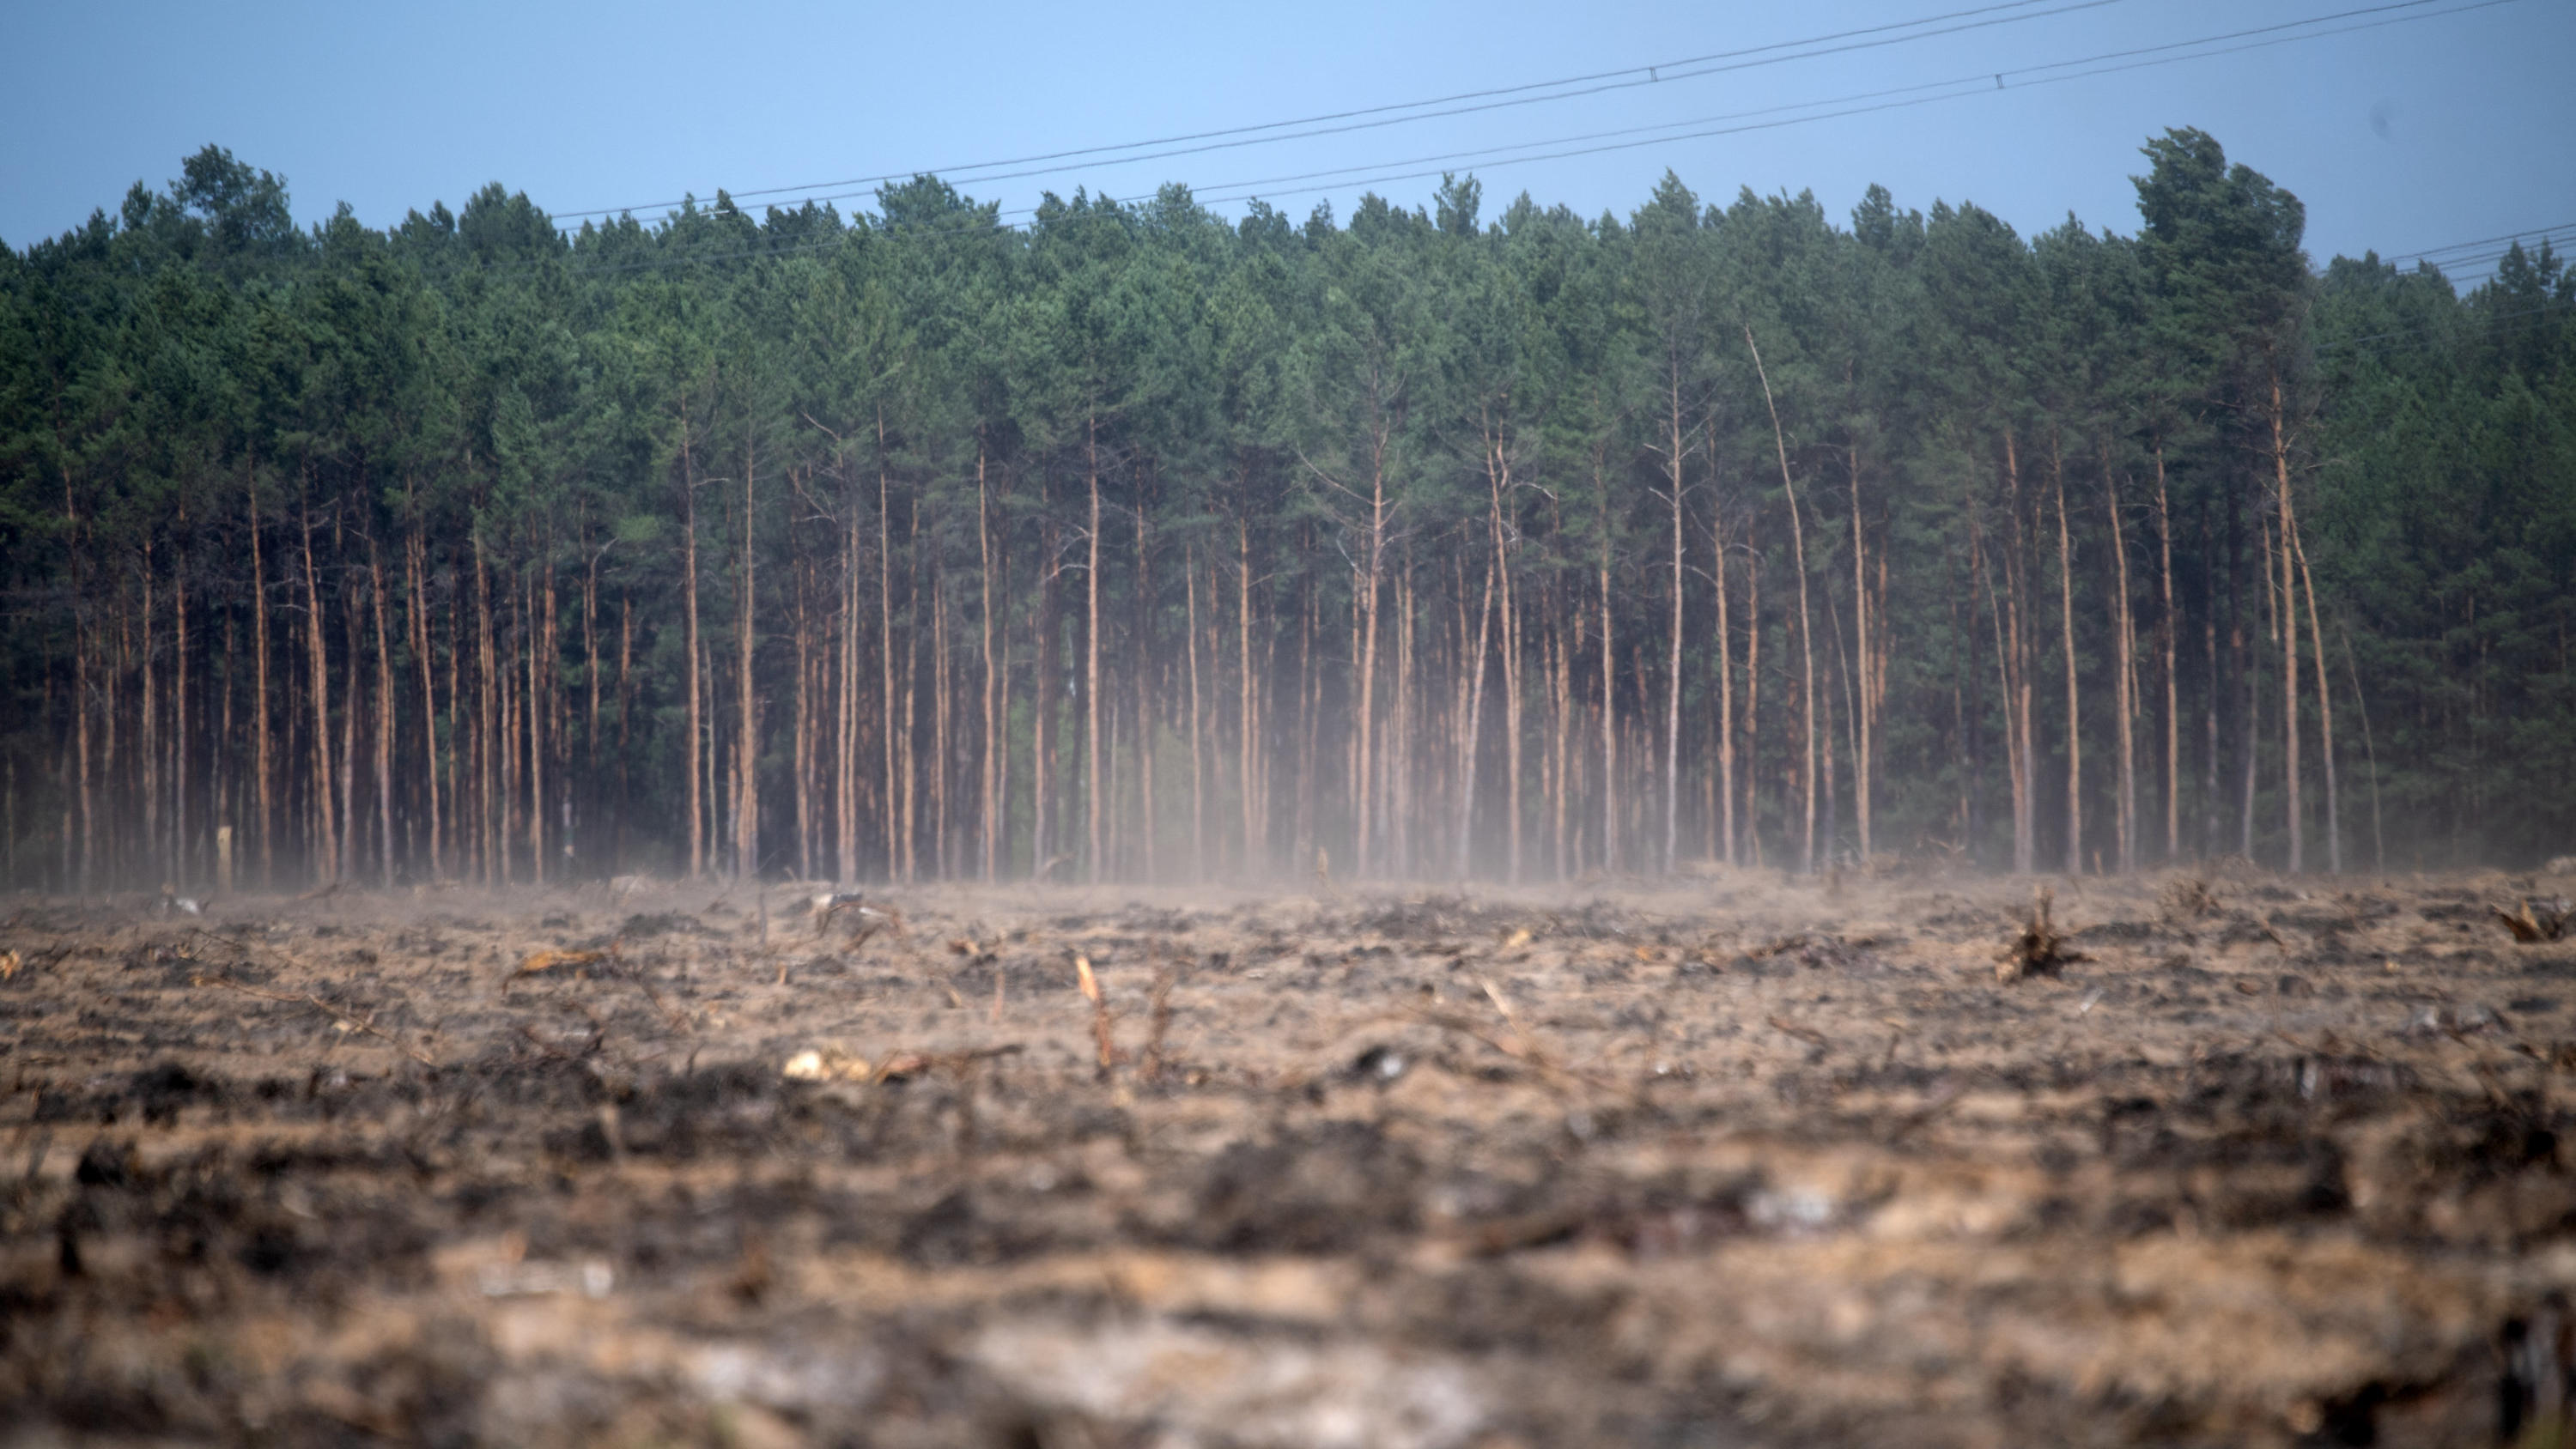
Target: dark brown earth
(1732,1161)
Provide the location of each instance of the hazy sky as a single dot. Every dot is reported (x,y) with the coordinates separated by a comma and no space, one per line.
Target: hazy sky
(2441,129)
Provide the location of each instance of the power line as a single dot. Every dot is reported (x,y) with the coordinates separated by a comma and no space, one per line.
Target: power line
(1597,82)
(1894,98)
(1862,103)
(1965,87)
(2538,231)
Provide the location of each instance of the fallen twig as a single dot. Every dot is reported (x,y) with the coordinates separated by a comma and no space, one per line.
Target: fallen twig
(337,1014)
(1809,1036)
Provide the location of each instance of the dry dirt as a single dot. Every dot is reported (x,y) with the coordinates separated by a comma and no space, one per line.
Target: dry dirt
(1737,1160)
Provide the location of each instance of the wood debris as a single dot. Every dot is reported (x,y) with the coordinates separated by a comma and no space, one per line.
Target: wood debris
(2038,950)
(549,960)
(1159,1024)
(1103,1038)
(1804,1034)
(2539,920)
(2186,898)
(9,964)
(342,1018)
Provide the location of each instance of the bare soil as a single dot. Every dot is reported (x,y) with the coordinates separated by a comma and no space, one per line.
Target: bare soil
(1736,1160)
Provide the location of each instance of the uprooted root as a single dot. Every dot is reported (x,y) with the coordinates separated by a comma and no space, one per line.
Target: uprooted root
(2039,950)
(2187,898)
(2539,920)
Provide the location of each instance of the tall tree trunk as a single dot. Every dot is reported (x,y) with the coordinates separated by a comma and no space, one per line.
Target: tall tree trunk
(384,720)
(1498,482)
(416,571)
(845,755)
(539,633)
(697,697)
(2325,709)
(885,653)
(1806,636)
(944,866)
(1091,783)
(1865,709)
(1728,835)
(327,844)
(2125,682)
(591,793)
(2015,656)
(1475,673)
(1141,651)
(746,810)
(989,813)
(1752,770)
(179,737)
(1198,766)
(1609,711)
(148,734)
(2289,621)
(2074,701)
(264,769)
(2171,627)
(1673,645)
(1249,765)
(1365,608)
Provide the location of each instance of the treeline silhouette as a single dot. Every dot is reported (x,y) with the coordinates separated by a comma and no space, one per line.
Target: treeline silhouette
(1136,544)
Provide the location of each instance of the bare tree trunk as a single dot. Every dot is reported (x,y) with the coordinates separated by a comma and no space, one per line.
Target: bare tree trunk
(2125,682)
(1498,481)
(1248,731)
(885,650)
(1806,639)
(2074,711)
(746,811)
(327,848)
(148,732)
(990,815)
(697,701)
(1752,771)
(845,754)
(2289,621)
(384,721)
(2325,709)
(1367,610)
(906,749)
(945,868)
(1042,812)
(1729,837)
(1673,660)
(1865,709)
(2370,752)
(1475,673)
(1141,651)
(2172,625)
(179,854)
(2015,656)
(1198,765)
(264,771)
(539,635)
(1091,784)
(1609,713)
(418,590)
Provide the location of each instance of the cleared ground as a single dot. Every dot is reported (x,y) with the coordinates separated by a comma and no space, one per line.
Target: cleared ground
(1735,1161)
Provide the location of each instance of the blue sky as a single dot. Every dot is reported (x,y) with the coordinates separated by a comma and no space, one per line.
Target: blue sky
(2401,137)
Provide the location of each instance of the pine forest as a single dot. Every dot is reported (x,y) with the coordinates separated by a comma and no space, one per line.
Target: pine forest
(1138,544)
